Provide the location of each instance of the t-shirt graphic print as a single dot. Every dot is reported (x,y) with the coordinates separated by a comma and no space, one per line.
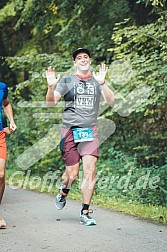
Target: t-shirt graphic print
(84,95)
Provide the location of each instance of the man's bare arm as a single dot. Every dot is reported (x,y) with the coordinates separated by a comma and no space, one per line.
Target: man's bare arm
(52,96)
(9,113)
(107,93)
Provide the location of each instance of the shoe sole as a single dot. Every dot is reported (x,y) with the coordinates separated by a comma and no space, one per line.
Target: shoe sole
(2,227)
(90,224)
(59,208)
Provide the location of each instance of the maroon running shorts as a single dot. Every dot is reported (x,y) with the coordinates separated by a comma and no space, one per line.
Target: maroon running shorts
(72,152)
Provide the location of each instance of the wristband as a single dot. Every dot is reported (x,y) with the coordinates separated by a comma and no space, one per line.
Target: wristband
(102,83)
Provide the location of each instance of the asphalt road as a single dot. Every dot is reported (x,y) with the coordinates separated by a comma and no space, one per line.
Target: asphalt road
(34,224)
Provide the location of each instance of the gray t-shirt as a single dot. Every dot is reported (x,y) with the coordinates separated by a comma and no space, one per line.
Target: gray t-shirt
(81,101)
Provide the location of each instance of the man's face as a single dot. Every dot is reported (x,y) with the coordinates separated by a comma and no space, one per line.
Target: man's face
(82,62)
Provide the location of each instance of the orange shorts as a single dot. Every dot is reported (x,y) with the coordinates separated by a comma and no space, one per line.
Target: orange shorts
(3,147)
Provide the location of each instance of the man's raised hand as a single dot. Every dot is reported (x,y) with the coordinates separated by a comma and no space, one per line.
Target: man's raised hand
(51,77)
(100,76)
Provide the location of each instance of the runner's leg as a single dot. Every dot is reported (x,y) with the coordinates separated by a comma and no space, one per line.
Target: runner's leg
(70,175)
(89,179)
(2,177)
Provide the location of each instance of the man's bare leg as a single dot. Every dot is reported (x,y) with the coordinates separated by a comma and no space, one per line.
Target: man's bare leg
(2,177)
(2,187)
(89,178)
(87,189)
(70,175)
(68,178)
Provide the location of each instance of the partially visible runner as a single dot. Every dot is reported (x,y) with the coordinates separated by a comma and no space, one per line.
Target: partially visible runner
(79,136)
(4,104)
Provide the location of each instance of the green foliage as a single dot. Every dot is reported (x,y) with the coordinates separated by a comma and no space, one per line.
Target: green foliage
(31,13)
(143,131)
(90,23)
(119,176)
(154,3)
(7,13)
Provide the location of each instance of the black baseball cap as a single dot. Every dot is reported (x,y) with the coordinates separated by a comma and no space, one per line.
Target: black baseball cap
(79,50)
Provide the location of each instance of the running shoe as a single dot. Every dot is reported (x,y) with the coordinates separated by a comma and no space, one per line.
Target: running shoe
(2,223)
(86,219)
(60,201)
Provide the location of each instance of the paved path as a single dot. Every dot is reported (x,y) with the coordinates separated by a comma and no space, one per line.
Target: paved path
(34,224)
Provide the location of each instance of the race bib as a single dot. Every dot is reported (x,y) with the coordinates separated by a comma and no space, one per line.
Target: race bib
(82,134)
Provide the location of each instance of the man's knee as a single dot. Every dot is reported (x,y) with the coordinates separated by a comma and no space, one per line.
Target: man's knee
(2,175)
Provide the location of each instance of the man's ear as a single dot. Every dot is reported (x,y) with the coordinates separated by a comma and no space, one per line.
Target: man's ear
(74,63)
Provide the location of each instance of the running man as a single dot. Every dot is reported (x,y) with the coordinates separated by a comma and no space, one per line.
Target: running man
(79,134)
(5,104)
